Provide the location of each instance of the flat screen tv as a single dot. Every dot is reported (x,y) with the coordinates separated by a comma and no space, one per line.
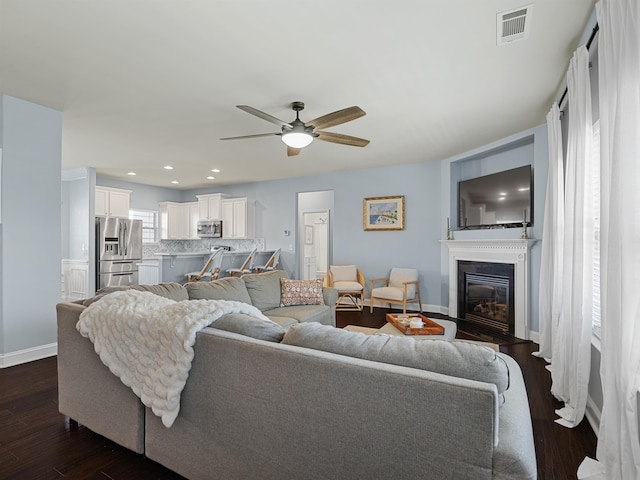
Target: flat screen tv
(499,200)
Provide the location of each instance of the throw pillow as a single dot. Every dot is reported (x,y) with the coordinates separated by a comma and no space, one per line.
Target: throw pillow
(456,359)
(301,292)
(228,288)
(171,290)
(264,288)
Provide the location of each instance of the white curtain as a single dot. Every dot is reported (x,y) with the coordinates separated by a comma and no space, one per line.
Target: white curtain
(619,77)
(571,351)
(552,239)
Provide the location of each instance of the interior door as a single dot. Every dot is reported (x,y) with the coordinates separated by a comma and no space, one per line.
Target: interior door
(315,231)
(316,244)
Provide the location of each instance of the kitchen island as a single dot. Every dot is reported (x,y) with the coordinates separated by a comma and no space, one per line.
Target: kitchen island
(173,266)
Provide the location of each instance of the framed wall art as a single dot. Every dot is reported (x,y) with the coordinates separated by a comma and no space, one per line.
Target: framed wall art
(384,213)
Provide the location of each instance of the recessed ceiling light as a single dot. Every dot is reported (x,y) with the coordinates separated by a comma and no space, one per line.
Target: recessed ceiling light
(175,181)
(215,170)
(168,167)
(524,189)
(131,173)
(504,194)
(211,177)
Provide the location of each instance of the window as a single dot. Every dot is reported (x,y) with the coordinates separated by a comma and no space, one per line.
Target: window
(149,224)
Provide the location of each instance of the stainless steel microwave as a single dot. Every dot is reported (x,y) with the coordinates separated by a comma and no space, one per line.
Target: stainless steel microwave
(210,228)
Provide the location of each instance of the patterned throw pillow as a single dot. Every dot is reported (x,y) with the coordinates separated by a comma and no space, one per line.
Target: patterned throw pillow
(300,292)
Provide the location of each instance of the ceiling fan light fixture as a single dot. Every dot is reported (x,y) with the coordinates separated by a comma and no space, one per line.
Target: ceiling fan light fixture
(297,139)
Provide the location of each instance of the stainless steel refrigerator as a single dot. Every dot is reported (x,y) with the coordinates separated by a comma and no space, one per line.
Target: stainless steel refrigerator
(118,251)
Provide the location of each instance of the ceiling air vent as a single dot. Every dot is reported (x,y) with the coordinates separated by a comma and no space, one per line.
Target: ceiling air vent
(513,25)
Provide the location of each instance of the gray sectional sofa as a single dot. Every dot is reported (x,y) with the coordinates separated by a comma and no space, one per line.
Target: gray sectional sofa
(304,400)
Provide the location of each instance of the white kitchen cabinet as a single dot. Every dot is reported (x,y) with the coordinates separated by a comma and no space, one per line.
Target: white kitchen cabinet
(237,218)
(210,206)
(112,202)
(178,221)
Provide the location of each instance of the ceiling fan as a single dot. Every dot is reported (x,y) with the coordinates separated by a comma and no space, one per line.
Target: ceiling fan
(298,134)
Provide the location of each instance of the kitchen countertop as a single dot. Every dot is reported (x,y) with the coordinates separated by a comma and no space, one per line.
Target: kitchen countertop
(183,254)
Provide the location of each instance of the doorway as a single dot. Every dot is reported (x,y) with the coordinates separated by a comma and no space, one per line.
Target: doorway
(314,234)
(316,245)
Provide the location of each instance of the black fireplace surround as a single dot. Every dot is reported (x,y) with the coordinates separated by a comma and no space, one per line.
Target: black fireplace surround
(486,295)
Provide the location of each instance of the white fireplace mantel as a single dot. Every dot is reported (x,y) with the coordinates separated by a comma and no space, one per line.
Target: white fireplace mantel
(511,251)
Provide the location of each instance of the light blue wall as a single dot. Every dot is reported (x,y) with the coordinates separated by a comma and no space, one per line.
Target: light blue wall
(31,232)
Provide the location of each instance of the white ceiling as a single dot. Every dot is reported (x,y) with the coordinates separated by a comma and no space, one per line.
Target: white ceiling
(148,83)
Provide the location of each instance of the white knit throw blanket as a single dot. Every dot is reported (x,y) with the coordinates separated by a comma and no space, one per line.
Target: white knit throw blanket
(147,341)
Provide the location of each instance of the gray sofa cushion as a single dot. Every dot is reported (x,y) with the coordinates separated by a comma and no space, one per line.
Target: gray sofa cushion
(228,288)
(284,322)
(302,313)
(250,326)
(458,359)
(264,288)
(171,290)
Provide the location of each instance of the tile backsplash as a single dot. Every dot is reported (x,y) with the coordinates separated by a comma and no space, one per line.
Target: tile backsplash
(182,246)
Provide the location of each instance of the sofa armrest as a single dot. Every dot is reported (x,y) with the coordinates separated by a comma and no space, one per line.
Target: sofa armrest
(373,281)
(87,390)
(515,455)
(330,296)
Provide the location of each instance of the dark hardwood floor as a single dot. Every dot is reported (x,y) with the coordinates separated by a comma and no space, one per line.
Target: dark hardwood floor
(37,442)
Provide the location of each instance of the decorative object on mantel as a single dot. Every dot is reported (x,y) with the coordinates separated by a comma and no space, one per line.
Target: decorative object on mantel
(524,233)
(448,230)
(383,213)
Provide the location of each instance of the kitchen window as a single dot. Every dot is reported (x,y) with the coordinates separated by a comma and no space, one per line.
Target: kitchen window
(149,224)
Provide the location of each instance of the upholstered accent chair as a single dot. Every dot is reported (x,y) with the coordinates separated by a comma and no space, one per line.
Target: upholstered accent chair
(349,281)
(401,287)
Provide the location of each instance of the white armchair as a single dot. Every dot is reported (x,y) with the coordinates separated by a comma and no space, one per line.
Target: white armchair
(401,287)
(349,282)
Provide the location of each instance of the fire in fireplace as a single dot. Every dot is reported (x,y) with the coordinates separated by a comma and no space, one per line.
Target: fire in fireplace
(486,295)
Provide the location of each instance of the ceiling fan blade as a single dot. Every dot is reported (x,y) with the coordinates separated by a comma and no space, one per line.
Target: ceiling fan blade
(263,115)
(336,118)
(342,139)
(293,151)
(252,136)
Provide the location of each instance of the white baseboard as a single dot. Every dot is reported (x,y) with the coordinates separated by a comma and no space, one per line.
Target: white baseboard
(592,413)
(28,355)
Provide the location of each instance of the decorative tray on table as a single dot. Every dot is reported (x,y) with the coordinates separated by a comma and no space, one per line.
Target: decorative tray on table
(401,322)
